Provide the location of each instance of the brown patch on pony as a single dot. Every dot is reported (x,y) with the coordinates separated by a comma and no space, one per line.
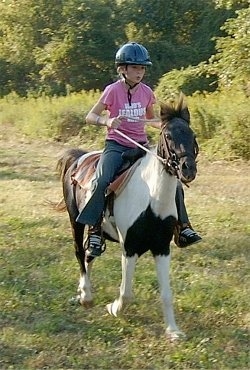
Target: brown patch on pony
(67,159)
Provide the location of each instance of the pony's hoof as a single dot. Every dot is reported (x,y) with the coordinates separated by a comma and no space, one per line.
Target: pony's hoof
(86,304)
(78,301)
(74,301)
(175,336)
(110,309)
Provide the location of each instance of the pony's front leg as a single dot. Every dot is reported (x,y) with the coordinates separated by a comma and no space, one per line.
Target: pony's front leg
(126,291)
(162,267)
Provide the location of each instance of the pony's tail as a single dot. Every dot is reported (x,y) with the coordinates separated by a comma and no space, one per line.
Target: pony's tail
(67,159)
(63,164)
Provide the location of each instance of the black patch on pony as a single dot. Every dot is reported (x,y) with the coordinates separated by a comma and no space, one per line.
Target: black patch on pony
(149,232)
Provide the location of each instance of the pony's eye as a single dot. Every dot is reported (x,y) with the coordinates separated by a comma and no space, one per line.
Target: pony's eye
(168,136)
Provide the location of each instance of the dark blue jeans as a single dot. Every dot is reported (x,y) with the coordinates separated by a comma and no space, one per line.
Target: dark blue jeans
(108,166)
(180,205)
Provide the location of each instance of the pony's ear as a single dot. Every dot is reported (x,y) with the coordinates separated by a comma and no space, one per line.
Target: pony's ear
(182,107)
(166,112)
(185,114)
(176,107)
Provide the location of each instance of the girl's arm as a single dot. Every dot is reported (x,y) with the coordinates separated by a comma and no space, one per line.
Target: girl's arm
(94,116)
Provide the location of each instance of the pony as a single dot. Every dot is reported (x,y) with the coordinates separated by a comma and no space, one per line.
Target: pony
(144,212)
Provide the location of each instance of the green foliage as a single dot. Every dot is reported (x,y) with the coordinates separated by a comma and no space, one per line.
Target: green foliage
(231,63)
(81,53)
(24,26)
(240,136)
(57,118)
(230,141)
(188,80)
(70,45)
(177,33)
(231,4)
(221,122)
(206,123)
(56,46)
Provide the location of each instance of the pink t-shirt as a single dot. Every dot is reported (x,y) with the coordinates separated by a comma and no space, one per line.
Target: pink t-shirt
(115,97)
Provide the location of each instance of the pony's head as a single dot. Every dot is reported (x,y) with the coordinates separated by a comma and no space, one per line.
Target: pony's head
(177,143)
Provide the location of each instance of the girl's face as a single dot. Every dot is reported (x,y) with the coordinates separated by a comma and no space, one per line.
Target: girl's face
(134,73)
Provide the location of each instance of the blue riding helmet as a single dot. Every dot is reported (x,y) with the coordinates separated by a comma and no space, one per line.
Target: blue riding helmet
(132,53)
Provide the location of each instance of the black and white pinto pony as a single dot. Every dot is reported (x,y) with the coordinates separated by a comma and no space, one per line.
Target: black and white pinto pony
(144,213)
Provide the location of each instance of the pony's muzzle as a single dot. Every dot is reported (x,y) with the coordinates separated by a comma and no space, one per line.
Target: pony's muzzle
(188,171)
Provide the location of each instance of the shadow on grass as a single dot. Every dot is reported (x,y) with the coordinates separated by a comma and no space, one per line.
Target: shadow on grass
(28,175)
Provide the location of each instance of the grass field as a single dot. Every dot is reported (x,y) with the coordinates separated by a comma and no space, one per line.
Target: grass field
(40,329)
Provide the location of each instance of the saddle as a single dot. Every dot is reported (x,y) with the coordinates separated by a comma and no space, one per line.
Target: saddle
(87,165)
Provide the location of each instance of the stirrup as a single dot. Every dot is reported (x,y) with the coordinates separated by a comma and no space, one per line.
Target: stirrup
(95,243)
(187,237)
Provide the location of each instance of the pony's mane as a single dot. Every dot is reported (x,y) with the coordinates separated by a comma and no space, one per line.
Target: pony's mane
(175,108)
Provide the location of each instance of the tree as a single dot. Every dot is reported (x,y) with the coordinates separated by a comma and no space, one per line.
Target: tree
(231,63)
(69,45)
(177,33)
(25,25)
(81,54)
(57,45)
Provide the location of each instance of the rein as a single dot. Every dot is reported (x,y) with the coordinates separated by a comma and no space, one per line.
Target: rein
(164,161)
(171,163)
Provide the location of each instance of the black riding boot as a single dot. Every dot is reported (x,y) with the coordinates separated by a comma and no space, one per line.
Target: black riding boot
(184,235)
(96,243)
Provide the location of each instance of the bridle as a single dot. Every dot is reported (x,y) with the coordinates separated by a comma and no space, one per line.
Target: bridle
(172,158)
(168,157)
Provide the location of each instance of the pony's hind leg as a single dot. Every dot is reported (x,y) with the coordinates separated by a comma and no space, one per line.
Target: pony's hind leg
(84,296)
(126,292)
(162,268)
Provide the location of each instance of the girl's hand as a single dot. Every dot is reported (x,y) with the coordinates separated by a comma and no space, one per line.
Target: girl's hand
(114,122)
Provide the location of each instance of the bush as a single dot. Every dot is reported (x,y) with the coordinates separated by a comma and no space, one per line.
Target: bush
(231,141)
(187,80)
(239,136)
(221,121)
(206,123)
(58,118)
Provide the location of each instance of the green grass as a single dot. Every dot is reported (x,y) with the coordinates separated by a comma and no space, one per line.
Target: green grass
(40,329)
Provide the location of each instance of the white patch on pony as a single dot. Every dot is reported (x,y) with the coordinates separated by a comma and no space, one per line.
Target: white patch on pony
(84,289)
(163,274)
(148,185)
(126,292)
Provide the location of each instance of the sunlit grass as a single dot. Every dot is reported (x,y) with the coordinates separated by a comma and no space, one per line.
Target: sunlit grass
(39,275)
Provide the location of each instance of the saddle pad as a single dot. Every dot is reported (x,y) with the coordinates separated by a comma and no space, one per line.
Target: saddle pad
(120,182)
(86,168)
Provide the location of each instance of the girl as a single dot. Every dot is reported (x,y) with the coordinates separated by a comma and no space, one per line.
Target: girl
(130,105)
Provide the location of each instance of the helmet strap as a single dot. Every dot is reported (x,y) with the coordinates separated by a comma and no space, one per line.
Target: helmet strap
(130,87)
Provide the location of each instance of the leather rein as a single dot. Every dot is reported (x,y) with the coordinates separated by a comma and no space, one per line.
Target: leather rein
(169,158)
